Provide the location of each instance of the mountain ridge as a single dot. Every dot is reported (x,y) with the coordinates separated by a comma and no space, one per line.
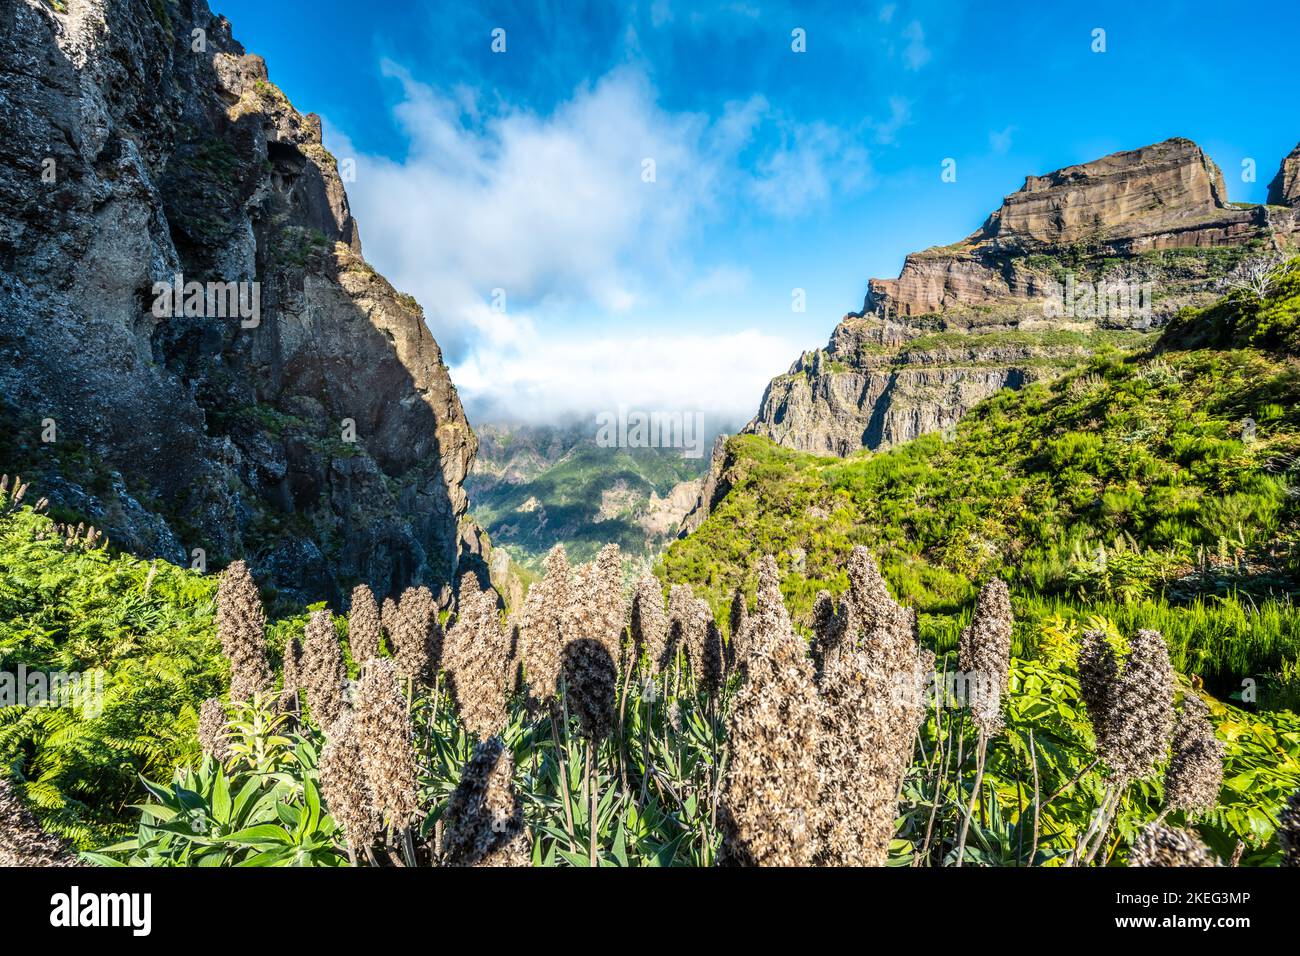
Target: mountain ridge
(1141,234)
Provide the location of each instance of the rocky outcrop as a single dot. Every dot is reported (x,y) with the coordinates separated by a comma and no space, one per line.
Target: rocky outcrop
(1084,256)
(1284,190)
(1105,220)
(316,431)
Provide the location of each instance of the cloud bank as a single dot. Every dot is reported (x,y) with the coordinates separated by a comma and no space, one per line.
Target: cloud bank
(543,247)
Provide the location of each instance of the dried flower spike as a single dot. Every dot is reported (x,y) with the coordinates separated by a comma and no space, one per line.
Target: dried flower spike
(241,626)
(1131,709)
(649,622)
(344,786)
(1195,772)
(769,797)
(363,625)
(485,818)
(591,686)
(477,660)
(542,626)
(22,841)
(386,740)
(213,736)
(417,618)
(984,656)
(1157,845)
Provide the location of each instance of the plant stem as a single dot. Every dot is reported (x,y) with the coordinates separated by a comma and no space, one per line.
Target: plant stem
(592,821)
(981,753)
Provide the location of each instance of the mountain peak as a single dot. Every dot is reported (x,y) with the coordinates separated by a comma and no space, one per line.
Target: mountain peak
(965,320)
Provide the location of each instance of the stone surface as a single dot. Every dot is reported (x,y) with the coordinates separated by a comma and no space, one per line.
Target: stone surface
(1112,213)
(1284,190)
(327,443)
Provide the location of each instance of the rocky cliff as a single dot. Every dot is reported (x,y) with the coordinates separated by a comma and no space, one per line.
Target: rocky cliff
(1083,257)
(1284,190)
(296,410)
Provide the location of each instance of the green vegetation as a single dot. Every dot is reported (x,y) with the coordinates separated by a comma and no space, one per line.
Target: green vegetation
(590,497)
(1158,489)
(408,302)
(147,627)
(646,794)
(1091,340)
(298,246)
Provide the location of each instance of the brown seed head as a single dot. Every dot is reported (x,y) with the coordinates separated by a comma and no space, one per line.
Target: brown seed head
(1157,845)
(649,622)
(417,617)
(591,686)
(386,741)
(485,819)
(1195,771)
(1132,716)
(213,735)
(871,688)
(542,625)
(596,609)
(323,675)
(477,658)
(388,617)
(737,622)
(984,656)
(769,796)
(343,784)
(22,841)
(363,625)
(241,626)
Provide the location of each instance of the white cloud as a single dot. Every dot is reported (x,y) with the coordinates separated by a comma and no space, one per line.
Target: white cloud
(916,54)
(900,114)
(887,12)
(1000,140)
(550,209)
(816,162)
(554,211)
(721,375)
(722,280)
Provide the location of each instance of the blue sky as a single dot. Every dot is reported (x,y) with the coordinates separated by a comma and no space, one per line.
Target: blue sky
(774,170)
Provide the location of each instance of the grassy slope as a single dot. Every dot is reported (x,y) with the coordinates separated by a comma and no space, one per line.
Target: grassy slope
(1144,458)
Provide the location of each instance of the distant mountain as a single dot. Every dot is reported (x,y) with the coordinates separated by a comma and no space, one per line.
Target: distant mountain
(535,486)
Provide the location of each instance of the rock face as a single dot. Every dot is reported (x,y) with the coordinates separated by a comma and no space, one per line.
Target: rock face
(1108,219)
(1284,190)
(317,431)
(1088,255)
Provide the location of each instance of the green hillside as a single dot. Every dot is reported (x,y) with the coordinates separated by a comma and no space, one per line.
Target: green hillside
(1156,488)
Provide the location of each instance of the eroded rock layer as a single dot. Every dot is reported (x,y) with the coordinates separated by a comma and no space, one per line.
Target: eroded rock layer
(1086,256)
